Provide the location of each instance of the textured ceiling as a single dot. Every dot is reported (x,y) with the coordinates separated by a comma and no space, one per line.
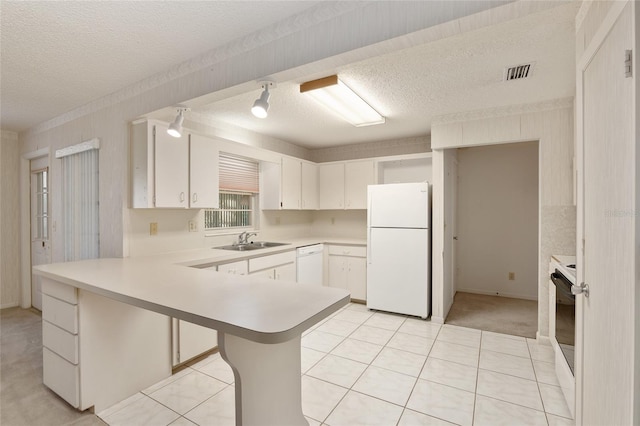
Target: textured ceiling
(58,55)
(411,86)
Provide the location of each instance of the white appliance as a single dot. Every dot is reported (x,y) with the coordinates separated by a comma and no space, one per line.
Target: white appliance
(309,269)
(398,248)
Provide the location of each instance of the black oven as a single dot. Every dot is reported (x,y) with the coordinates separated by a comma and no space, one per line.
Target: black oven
(565,316)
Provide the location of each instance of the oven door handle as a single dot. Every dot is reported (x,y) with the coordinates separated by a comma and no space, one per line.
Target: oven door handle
(562,284)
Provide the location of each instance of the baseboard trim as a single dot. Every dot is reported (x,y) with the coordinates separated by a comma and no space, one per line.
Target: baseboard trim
(544,340)
(496,293)
(437,320)
(10,305)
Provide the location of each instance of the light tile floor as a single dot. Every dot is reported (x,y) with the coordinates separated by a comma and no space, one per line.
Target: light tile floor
(370,368)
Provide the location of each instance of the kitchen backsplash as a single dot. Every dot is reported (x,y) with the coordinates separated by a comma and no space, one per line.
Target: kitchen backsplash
(173,228)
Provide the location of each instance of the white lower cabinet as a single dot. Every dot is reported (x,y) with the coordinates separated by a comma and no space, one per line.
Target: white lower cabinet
(97,351)
(348,269)
(191,340)
(281,266)
(240,267)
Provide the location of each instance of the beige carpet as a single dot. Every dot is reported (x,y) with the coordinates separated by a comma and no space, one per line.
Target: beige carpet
(24,400)
(518,317)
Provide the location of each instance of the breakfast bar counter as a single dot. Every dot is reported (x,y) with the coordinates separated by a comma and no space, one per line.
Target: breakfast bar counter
(259,323)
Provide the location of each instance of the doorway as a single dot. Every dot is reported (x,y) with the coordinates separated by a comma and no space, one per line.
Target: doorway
(40,223)
(496,239)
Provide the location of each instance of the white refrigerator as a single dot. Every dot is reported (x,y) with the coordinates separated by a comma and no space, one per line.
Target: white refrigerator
(398,248)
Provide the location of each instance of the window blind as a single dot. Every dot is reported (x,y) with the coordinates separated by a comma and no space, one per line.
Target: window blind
(238,173)
(80,203)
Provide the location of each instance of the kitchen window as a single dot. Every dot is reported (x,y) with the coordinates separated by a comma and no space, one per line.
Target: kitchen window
(238,194)
(236,211)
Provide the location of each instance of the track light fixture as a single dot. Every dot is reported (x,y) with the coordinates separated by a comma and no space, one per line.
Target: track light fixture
(175,128)
(261,105)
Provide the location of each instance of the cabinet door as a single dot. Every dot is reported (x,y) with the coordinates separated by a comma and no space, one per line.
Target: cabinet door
(357,277)
(286,272)
(236,268)
(194,340)
(338,272)
(309,186)
(203,173)
(358,175)
(291,186)
(331,184)
(171,169)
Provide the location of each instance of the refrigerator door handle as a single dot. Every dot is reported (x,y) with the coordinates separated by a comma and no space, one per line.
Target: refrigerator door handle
(369,251)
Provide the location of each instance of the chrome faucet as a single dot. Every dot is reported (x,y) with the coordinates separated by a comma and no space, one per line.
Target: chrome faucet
(243,238)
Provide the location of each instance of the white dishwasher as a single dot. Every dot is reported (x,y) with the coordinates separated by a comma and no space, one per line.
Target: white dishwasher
(310,264)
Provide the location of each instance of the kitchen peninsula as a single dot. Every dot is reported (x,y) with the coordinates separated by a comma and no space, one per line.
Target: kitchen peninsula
(118,318)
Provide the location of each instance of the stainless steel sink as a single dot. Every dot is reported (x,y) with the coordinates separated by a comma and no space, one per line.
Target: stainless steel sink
(257,245)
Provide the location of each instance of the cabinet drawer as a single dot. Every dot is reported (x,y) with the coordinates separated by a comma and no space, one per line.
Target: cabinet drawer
(60,341)
(272,261)
(60,291)
(356,251)
(61,376)
(60,313)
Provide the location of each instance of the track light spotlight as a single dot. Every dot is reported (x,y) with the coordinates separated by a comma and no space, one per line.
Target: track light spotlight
(175,128)
(261,105)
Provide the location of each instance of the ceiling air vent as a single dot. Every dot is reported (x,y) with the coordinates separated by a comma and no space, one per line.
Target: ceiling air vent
(518,72)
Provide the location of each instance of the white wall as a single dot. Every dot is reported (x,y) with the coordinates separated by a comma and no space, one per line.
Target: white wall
(340,223)
(9,220)
(497,220)
(384,148)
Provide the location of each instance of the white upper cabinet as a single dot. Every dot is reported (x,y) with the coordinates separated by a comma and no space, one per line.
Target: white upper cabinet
(170,172)
(309,183)
(204,175)
(344,185)
(357,176)
(171,169)
(331,184)
(291,183)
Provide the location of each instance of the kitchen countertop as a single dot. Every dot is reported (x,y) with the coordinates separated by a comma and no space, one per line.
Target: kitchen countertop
(257,309)
(212,256)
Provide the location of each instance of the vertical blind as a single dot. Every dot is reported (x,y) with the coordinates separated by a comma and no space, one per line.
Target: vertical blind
(238,173)
(80,201)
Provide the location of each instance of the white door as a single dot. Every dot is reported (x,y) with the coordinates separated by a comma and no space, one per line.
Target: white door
(291,183)
(331,186)
(203,173)
(40,226)
(309,186)
(171,169)
(605,320)
(357,176)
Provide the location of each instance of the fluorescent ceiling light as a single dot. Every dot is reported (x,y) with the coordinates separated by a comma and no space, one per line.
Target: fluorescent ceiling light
(342,101)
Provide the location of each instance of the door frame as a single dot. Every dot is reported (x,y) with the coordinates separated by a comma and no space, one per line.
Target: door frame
(582,63)
(25,224)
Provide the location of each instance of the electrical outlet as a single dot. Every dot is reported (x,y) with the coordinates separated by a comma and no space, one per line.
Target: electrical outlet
(153,228)
(193,226)
(512,276)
